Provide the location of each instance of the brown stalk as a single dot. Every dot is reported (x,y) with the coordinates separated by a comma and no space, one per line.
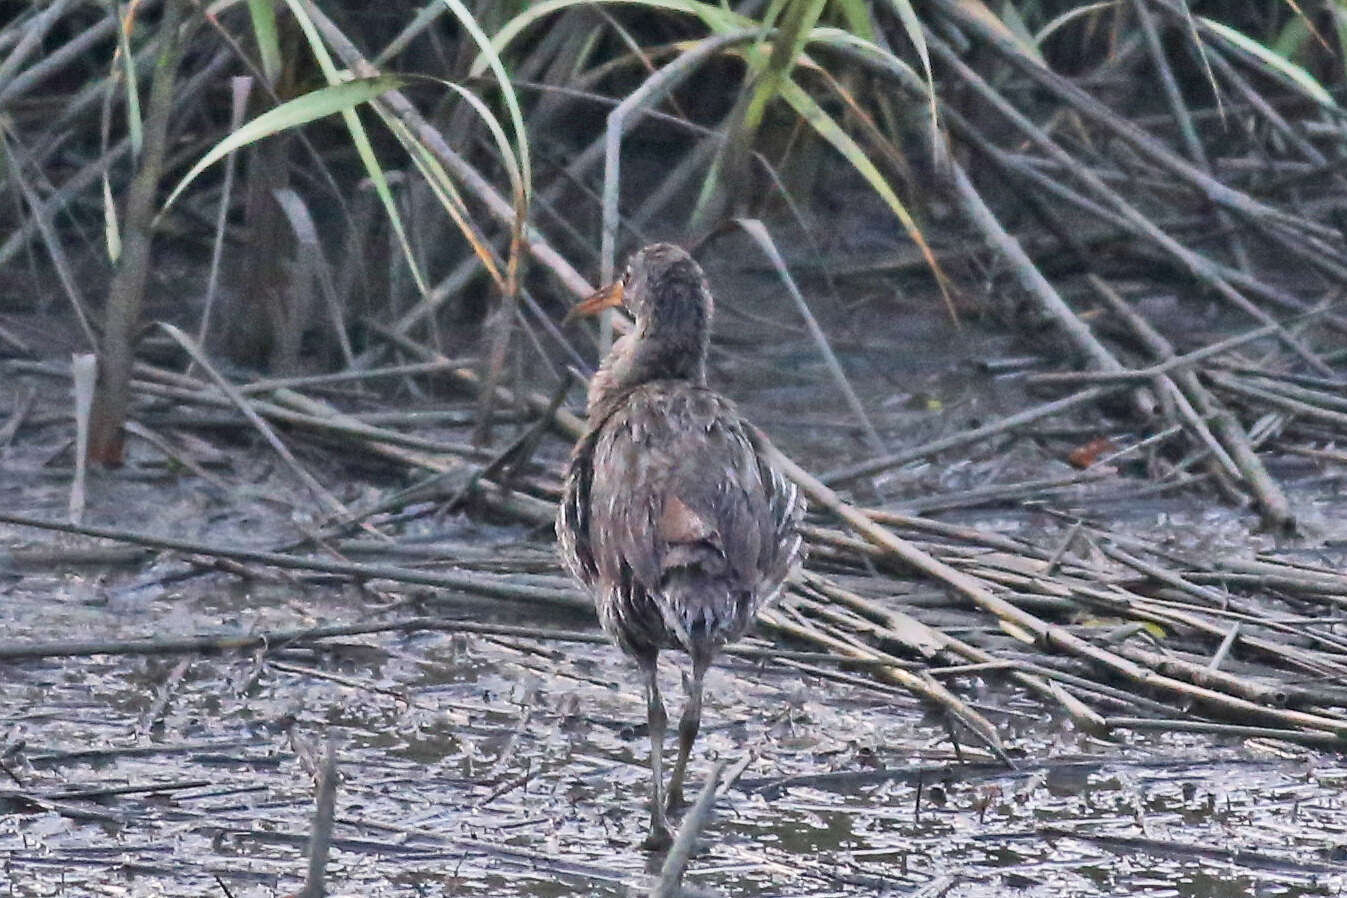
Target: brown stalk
(1043,634)
(127,292)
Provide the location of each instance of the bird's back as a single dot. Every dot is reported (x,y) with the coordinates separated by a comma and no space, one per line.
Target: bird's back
(675,520)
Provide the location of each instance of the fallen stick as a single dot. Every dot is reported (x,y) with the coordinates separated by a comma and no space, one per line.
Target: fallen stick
(238,401)
(924,687)
(1033,283)
(928,641)
(671,874)
(476,584)
(277,639)
(1041,632)
(1133,219)
(1150,371)
(569,423)
(320,834)
(977,434)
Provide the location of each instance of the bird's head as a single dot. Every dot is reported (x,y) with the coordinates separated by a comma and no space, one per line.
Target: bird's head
(664,289)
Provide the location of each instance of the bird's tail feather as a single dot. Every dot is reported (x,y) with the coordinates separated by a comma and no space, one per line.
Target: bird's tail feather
(700,608)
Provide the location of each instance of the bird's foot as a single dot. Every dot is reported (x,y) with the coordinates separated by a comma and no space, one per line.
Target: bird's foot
(658,840)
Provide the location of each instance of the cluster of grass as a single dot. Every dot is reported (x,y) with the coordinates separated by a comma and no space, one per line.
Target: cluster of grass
(402,163)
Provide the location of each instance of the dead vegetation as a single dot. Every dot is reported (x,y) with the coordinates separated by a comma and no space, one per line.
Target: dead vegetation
(1153,200)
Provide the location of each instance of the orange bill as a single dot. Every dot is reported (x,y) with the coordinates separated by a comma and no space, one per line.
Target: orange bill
(603,298)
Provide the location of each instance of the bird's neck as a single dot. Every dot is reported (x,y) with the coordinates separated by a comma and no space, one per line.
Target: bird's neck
(644,355)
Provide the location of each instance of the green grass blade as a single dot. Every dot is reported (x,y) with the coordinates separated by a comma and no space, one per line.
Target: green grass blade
(1014,22)
(787,25)
(493,61)
(134,124)
(299,111)
(112,229)
(856,16)
(1306,24)
(1339,13)
(364,149)
(263,15)
(836,37)
(1016,38)
(1290,38)
(773,13)
(442,186)
(915,33)
(827,127)
(513,167)
(1303,79)
(716,18)
(799,21)
(1070,16)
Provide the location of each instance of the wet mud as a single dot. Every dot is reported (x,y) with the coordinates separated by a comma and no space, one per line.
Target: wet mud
(478,764)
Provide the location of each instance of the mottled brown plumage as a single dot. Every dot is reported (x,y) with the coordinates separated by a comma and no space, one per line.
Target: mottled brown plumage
(671,515)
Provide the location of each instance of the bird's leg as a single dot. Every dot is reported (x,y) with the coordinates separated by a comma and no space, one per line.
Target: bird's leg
(688,725)
(659,838)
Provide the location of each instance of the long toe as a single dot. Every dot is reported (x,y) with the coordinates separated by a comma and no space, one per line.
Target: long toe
(658,840)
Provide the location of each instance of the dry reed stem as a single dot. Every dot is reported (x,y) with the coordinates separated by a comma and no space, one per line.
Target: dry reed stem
(1044,634)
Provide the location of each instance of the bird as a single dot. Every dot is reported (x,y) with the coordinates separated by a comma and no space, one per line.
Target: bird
(672,515)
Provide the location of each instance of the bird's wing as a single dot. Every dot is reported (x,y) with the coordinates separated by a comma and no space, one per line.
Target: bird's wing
(573,514)
(786,508)
(678,483)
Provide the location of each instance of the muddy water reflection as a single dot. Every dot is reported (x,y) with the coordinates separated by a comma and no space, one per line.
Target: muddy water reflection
(480,766)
